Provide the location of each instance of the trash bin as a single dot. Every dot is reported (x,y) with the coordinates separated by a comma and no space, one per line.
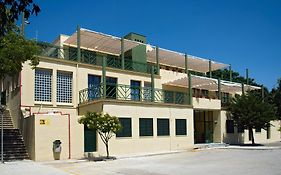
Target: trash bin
(56,149)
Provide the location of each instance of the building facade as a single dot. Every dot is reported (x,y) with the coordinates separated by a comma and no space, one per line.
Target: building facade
(162,105)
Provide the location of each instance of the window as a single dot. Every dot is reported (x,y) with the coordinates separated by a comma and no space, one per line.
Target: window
(135,90)
(94,87)
(205,93)
(43,85)
(147,91)
(258,129)
(240,128)
(163,127)
(180,126)
(146,126)
(229,126)
(111,89)
(64,87)
(126,130)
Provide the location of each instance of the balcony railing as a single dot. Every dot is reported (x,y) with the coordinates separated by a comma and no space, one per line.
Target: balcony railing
(90,57)
(130,93)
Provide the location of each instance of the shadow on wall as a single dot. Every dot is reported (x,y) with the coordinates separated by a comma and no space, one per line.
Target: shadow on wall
(234,138)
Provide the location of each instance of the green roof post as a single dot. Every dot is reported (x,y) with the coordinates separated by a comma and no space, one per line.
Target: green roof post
(243,89)
(78,44)
(186,63)
(219,88)
(190,88)
(152,84)
(157,60)
(104,76)
(262,93)
(230,73)
(247,76)
(210,68)
(122,54)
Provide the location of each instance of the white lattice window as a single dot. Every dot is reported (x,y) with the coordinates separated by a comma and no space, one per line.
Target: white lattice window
(43,85)
(64,87)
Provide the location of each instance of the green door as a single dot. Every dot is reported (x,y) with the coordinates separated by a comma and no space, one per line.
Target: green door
(90,140)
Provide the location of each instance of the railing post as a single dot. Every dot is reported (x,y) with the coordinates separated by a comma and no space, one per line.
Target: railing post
(122,54)
(210,68)
(243,89)
(157,60)
(219,88)
(78,44)
(190,88)
(230,73)
(152,84)
(104,76)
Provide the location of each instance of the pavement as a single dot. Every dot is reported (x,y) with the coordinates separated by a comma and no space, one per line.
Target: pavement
(205,161)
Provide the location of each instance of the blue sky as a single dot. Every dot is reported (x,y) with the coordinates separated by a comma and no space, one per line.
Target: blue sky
(244,33)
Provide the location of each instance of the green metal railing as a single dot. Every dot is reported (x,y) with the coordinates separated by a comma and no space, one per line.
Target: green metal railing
(130,93)
(90,57)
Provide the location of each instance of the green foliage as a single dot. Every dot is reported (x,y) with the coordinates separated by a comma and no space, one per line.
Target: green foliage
(225,74)
(275,97)
(15,50)
(105,124)
(249,111)
(10,11)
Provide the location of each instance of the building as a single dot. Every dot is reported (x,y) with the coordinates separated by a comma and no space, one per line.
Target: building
(162,105)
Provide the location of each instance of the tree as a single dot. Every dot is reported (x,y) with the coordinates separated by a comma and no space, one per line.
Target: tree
(10,11)
(14,51)
(275,97)
(250,112)
(105,124)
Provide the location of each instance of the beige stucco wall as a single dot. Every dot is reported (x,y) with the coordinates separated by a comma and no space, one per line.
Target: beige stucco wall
(205,103)
(141,145)
(260,137)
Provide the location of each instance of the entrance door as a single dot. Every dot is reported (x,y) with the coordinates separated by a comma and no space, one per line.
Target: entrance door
(203,126)
(90,140)
(94,89)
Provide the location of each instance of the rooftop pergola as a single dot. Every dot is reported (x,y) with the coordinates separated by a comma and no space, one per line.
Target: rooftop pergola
(108,44)
(211,84)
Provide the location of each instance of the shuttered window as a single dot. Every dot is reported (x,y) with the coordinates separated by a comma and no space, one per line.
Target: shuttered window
(180,126)
(146,126)
(126,130)
(163,127)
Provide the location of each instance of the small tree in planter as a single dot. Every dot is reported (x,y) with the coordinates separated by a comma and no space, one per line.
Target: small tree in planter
(105,124)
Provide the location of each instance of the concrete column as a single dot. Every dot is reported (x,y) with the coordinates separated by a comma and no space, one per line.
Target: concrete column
(152,85)
(78,44)
(210,68)
(186,63)
(219,88)
(243,89)
(104,76)
(157,60)
(190,88)
(122,54)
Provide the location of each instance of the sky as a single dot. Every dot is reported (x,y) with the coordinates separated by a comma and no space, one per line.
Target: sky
(243,33)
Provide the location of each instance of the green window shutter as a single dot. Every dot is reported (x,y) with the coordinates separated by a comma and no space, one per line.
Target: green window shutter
(146,126)
(163,127)
(180,126)
(126,130)
(229,126)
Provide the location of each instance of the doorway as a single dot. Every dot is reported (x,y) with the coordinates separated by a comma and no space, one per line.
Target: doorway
(203,126)
(90,140)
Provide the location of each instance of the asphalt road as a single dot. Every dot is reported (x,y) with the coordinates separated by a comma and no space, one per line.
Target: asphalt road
(210,161)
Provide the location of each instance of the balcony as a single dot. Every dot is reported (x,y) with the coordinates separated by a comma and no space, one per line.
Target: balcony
(90,57)
(130,93)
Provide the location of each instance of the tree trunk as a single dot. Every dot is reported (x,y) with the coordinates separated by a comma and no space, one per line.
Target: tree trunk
(252,135)
(107,151)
